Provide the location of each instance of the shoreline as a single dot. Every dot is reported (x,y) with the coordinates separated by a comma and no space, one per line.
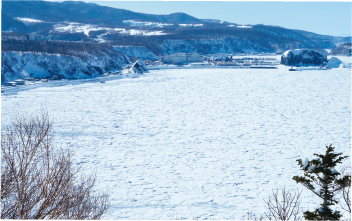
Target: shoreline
(5,90)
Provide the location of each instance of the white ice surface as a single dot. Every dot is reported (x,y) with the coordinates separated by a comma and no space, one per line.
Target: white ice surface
(208,143)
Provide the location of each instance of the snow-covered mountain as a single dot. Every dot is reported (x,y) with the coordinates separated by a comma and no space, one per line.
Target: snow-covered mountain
(40,64)
(161,34)
(81,12)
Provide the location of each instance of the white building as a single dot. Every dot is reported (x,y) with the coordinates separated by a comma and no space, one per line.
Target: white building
(181,57)
(34,37)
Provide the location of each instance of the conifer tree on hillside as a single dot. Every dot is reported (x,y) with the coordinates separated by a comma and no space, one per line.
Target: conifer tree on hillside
(321,177)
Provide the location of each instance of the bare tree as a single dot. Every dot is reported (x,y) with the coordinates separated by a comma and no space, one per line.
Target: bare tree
(41,182)
(345,203)
(284,208)
(251,216)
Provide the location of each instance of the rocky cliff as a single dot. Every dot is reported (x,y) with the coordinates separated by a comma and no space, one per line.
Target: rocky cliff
(40,64)
(301,57)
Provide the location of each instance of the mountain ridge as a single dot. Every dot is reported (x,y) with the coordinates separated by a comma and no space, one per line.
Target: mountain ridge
(80,21)
(83,12)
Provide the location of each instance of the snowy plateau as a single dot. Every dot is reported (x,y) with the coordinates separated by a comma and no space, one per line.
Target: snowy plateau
(195,144)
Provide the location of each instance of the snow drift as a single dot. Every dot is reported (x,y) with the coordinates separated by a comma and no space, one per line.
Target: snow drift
(334,62)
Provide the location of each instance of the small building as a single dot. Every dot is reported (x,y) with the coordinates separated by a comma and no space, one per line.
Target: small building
(33,36)
(20,81)
(181,57)
(222,63)
(11,83)
(194,57)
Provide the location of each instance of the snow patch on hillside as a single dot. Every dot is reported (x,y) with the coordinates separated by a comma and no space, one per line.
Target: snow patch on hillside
(74,27)
(142,32)
(243,26)
(190,25)
(29,21)
(145,23)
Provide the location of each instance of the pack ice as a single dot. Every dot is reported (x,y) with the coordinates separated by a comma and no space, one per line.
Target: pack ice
(196,144)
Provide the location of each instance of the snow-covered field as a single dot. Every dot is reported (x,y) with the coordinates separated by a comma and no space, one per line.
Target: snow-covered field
(207,143)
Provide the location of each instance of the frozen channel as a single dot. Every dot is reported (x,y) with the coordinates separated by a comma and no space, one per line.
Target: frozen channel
(196,144)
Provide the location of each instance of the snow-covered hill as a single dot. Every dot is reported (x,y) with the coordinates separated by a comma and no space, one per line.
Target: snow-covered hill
(227,45)
(79,21)
(30,64)
(342,49)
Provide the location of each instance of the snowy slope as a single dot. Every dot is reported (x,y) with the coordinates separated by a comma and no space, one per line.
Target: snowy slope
(137,51)
(196,144)
(342,49)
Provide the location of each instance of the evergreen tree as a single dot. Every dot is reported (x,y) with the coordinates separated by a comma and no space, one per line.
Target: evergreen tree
(322,173)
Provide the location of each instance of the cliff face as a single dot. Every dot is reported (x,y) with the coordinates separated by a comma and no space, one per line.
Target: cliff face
(39,64)
(300,57)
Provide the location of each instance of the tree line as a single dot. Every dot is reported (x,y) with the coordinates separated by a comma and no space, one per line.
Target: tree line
(54,47)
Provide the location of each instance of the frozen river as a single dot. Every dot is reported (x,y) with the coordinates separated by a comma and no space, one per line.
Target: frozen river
(207,144)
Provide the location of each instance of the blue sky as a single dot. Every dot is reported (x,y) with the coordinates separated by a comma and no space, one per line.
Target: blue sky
(330,18)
